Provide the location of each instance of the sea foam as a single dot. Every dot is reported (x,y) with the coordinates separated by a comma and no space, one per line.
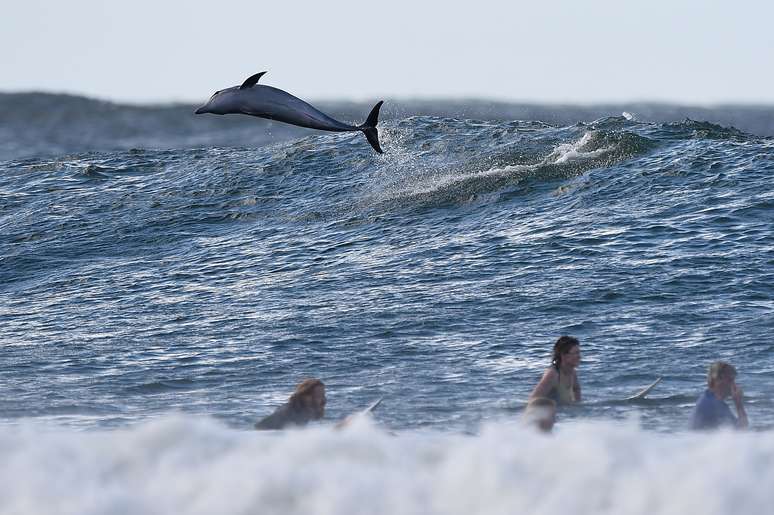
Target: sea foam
(187,465)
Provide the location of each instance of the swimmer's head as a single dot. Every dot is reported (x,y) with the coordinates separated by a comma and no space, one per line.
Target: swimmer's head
(541,413)
(721,375)
(566,348)
(310,396)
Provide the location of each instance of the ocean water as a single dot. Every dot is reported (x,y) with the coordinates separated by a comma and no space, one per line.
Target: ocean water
(158,299)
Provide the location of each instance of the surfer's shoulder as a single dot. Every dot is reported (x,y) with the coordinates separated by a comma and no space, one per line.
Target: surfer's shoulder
(280,418)
(547,383)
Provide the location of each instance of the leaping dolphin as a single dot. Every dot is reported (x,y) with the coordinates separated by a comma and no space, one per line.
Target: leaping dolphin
(275,104)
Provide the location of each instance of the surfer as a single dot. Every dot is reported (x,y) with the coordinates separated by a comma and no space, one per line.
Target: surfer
(711,412)
(541,413)
(560,381)
(306,404)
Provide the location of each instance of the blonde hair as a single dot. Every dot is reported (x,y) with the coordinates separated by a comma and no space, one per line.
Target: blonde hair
(719,369)
(303,390)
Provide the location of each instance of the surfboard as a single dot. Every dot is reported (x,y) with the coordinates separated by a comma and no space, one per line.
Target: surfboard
(367,411)
(645,391)
(373,405)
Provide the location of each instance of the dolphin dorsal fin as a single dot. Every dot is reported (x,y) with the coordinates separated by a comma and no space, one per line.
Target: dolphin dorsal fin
(251,81)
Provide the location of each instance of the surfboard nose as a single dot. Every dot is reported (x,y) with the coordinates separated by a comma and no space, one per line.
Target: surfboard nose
(201,110)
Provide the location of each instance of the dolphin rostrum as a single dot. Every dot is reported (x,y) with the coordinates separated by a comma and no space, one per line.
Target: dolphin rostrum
(275,104)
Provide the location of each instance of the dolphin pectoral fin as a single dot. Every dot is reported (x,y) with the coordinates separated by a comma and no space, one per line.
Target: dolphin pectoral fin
(251,81)
(369,127)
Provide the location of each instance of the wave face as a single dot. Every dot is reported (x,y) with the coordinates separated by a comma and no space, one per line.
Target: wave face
(209,280)
(438,274)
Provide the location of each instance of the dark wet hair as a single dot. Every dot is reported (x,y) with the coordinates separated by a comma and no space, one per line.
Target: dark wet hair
(563,346)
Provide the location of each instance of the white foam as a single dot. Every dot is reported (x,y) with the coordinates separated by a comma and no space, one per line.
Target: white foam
(193,466)
(430,180)
(579,150)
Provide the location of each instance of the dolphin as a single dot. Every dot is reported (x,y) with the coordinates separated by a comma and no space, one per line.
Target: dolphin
(275,104)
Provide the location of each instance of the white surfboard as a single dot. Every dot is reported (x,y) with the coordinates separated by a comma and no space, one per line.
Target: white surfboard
(645,391)
(367,411)
(373,405)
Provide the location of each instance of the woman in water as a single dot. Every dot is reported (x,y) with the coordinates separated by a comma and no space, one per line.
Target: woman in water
(560,381)
(306,404)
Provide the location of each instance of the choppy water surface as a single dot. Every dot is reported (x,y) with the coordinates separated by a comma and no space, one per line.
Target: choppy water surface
(210,280)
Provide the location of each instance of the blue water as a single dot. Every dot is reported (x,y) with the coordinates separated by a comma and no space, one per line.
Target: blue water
(211,280)
(140,284)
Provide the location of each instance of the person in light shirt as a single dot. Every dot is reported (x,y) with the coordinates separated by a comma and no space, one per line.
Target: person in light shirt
(711,412)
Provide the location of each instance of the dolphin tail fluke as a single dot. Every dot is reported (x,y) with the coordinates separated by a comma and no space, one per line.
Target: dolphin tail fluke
(372,135)
(369,127)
